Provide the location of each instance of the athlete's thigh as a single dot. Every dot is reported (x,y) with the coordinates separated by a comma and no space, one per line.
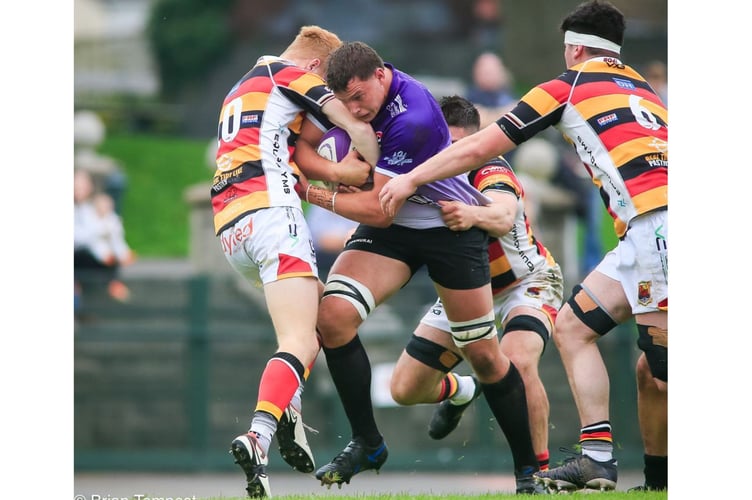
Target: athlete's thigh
(465,305)
(383,276)
(608,294)
(293,306)
(458,265)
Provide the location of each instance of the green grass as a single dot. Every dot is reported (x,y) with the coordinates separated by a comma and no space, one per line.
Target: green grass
(159,169)
(611,495)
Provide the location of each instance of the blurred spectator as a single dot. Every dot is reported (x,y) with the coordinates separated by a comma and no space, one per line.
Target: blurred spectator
(656,74)
(99,246)
(330,232)
(106,174)
(491,88)
(589,207)
(487,24)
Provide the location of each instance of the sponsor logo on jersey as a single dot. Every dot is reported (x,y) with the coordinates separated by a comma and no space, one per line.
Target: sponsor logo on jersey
(249,119)
(625,84)
(609,118)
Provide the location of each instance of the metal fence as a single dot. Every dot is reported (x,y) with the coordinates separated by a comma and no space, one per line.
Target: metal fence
(166,381)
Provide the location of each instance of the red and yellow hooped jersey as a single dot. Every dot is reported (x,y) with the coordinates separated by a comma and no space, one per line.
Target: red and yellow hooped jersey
(518,253)
(617,124)
(259,123)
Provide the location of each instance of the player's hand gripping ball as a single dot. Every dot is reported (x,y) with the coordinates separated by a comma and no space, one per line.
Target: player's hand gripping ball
(334,146)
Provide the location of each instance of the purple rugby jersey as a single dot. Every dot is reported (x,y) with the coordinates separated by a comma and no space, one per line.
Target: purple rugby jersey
(411,129)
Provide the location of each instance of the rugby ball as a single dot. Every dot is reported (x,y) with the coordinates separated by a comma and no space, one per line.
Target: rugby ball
(335,144)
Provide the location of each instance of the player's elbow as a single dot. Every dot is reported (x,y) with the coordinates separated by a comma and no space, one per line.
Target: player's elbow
(381,221)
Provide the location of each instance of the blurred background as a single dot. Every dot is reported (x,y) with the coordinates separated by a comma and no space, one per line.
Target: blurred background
(167,360)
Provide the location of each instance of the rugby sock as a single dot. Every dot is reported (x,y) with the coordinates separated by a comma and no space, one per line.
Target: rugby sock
(350,369)
(543,459)
(264,425)
(448,387)
(280,380)
(465,390)
(597,442)
(656,472)
(506,398)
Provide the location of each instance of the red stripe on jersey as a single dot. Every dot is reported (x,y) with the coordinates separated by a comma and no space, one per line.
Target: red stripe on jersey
(595,89)
(236,191)
(261,83)
(647,180)
(557,89)
(494,251)
(288,75)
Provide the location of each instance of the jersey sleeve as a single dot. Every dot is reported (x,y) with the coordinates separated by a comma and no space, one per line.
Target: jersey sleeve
(540,108)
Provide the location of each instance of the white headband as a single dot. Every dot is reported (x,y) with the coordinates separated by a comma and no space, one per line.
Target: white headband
(573,38)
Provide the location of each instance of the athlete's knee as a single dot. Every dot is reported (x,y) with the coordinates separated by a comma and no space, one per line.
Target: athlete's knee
(467,332)
(355,305)
(401,388)
(581,320)
(653,341)
(432,354)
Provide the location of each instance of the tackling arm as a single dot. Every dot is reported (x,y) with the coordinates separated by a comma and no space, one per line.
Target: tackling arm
(361,133)
(496,218)
(351,171)
(460,157)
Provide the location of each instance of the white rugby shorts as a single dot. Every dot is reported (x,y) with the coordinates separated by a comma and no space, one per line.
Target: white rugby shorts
(640,263)
(269,245)
(542,291)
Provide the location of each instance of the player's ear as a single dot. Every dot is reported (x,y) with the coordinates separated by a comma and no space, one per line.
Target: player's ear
(313,64)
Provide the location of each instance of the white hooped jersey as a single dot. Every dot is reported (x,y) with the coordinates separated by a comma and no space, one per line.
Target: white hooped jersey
(259,124)
(618,126)
(517,254)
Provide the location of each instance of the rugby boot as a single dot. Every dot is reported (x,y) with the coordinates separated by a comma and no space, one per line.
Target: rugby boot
(355,458)
(252,459)
(292,442)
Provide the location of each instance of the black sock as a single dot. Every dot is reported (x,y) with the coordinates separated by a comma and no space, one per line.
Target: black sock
(506,398)
(351,372)
(656,472)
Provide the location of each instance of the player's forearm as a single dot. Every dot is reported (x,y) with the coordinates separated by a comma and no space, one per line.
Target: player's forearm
(313,165)
(361,133)
(462,156)
(359,207)
(497,218)
(493,219)
(364,139)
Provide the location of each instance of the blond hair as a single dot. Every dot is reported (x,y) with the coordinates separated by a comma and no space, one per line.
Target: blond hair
(313,42)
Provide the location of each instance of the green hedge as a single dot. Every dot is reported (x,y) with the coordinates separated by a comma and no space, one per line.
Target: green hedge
(159,169)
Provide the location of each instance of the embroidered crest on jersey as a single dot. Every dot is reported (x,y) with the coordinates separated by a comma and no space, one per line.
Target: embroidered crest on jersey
(396,107)
(399,158)
(644,296)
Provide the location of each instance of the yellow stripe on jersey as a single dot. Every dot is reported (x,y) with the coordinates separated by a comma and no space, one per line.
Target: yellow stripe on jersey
(626,151)
(304,83)
(650,199)
(255,101)
(541,101)
(597,105)
(236,208)
(500,266)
